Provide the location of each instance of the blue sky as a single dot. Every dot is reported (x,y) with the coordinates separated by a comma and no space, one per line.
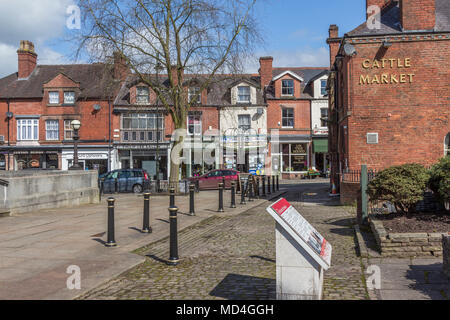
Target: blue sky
(294,30)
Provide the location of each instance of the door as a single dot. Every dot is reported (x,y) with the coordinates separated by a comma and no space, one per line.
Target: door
(109,183)
(125,181)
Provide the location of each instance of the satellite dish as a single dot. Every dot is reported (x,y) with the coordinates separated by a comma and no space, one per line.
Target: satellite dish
(9,115)
(97,107)
(349,49)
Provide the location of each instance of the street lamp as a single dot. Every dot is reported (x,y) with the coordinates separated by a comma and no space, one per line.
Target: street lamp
(75,124)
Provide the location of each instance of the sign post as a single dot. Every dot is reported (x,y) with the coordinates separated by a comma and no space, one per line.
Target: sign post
(302,254)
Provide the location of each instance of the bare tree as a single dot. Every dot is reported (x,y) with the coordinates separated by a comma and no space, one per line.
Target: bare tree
(204,37)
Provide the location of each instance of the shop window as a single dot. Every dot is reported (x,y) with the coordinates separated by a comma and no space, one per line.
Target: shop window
(69,97)
(27,129)
(194,125)
(243,94)
(288,118)
(323,117)
(194,95)
(68,131)
(52,130)
(244,122)
(53,97)
(287,87)
(142,95)
(294,157)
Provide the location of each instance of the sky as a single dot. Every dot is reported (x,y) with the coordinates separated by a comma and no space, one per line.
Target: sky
(295,31)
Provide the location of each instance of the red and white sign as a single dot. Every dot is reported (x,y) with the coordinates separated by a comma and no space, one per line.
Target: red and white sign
(284,211)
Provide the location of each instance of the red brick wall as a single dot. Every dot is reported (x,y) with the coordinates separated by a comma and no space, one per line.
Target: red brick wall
(302,116)
(412,119)
(418,14)
(278,86)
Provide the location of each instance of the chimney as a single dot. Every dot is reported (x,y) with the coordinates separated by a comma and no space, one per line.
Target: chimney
(265,71)
(334,42)
(418,14)
(27,59)
(121,69)
(379,3)
(174,72)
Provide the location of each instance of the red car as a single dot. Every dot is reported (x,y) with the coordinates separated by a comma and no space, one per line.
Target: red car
(212,179)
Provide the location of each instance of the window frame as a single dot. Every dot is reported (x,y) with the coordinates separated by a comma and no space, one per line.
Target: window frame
(49,130)
(244,127)
(49,97)
(196,93)
(287,117)
(143,122)
(239,95)
(323,124)
(31,129)
(74,98)
(322,88)
(283,87)
(68,129)
(146,95)
(194,125)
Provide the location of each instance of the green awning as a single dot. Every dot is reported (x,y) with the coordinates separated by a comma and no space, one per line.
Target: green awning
(320,145)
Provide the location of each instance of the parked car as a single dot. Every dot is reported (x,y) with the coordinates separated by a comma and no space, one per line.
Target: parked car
(128,180)
(211,179)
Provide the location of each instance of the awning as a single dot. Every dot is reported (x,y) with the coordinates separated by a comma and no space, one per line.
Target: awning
(320,145)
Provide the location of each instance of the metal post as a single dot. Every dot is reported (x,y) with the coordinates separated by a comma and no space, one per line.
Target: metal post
(111,241)
(268,185)
(221,185)
(273,184)
(243,191)
(172,197)
(233,194)
(197,186)
(116,186)
(364,201)
(263,186)
(251,187)
(191,199)
(173,259)
(278,183)
(257,187)
(146,225)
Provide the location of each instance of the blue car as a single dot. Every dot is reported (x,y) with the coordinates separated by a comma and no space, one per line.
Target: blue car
(125,180)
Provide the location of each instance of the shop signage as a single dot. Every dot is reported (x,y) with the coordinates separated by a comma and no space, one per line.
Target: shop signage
(302,231)
(142,147)
(87,156)
(385,68)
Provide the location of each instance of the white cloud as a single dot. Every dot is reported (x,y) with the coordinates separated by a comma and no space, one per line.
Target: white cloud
(34,20)
(302,57)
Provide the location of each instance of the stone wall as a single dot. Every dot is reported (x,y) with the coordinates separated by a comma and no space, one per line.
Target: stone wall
(446,253)
(406,244)
(26,191)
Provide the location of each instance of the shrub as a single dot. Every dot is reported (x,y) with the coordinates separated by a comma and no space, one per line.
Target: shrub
(440,179)
(403,186)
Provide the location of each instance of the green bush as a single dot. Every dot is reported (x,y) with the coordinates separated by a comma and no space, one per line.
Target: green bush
(440,179)
(403,186)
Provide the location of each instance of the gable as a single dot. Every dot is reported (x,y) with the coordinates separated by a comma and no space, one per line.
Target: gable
(288,73)
(61,81)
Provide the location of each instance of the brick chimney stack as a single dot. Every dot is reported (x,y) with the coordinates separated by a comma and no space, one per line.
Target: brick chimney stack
(174,72)
(27,59)
(380,3)
(334,42)
(418,14)
(121,68)
(266,71)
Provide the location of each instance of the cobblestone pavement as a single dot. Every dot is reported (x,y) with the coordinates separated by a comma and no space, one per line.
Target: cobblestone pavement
(233,257)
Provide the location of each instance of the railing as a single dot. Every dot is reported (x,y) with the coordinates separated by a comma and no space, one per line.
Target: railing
(355,175)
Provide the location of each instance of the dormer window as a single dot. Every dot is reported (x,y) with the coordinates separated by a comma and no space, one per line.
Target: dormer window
(69,97)
(142,95)
(323,87)
(243,94)
(287,87)
(194,95)
(53,97)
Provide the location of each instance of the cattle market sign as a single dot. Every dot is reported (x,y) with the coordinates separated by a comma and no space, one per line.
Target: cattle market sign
(386,74)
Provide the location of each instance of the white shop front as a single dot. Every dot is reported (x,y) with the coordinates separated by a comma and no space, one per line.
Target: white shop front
(90,159)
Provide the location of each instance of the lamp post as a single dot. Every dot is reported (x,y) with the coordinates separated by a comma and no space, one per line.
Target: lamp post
(75,124)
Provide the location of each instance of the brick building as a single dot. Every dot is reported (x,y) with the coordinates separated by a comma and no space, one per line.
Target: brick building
(37,105)
(389,88)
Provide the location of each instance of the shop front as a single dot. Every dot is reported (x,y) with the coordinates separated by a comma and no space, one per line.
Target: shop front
(293,157)
(245,153)
(151,157)
(89,159)
(30,158)
(320,158)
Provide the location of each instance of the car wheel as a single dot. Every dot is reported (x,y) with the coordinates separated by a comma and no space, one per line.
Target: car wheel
(137,188)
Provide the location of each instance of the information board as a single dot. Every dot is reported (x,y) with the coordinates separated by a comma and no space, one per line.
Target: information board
(300,229)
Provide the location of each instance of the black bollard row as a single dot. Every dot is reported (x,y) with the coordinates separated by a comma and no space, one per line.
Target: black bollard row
(268,185)
(243,191)
(233,194)
(221,186)
(251,192)
(263,186)
(111,242)
(172,197)
(191,199)
(278,183)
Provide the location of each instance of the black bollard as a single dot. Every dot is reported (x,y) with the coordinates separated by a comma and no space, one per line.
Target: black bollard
(111,242)
(221,185)
(172,197)
(268,185)
(243,191)
(258,183)
(191,199)
(173,259)
(146,225)
(278,183)
(233,194)
(116,186)
(273,183)
(263,186)
(197,186)
(251,190)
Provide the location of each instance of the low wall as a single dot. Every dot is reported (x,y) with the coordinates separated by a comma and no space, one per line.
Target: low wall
(349,192)
(406,244)
(26,191)
(446,253)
